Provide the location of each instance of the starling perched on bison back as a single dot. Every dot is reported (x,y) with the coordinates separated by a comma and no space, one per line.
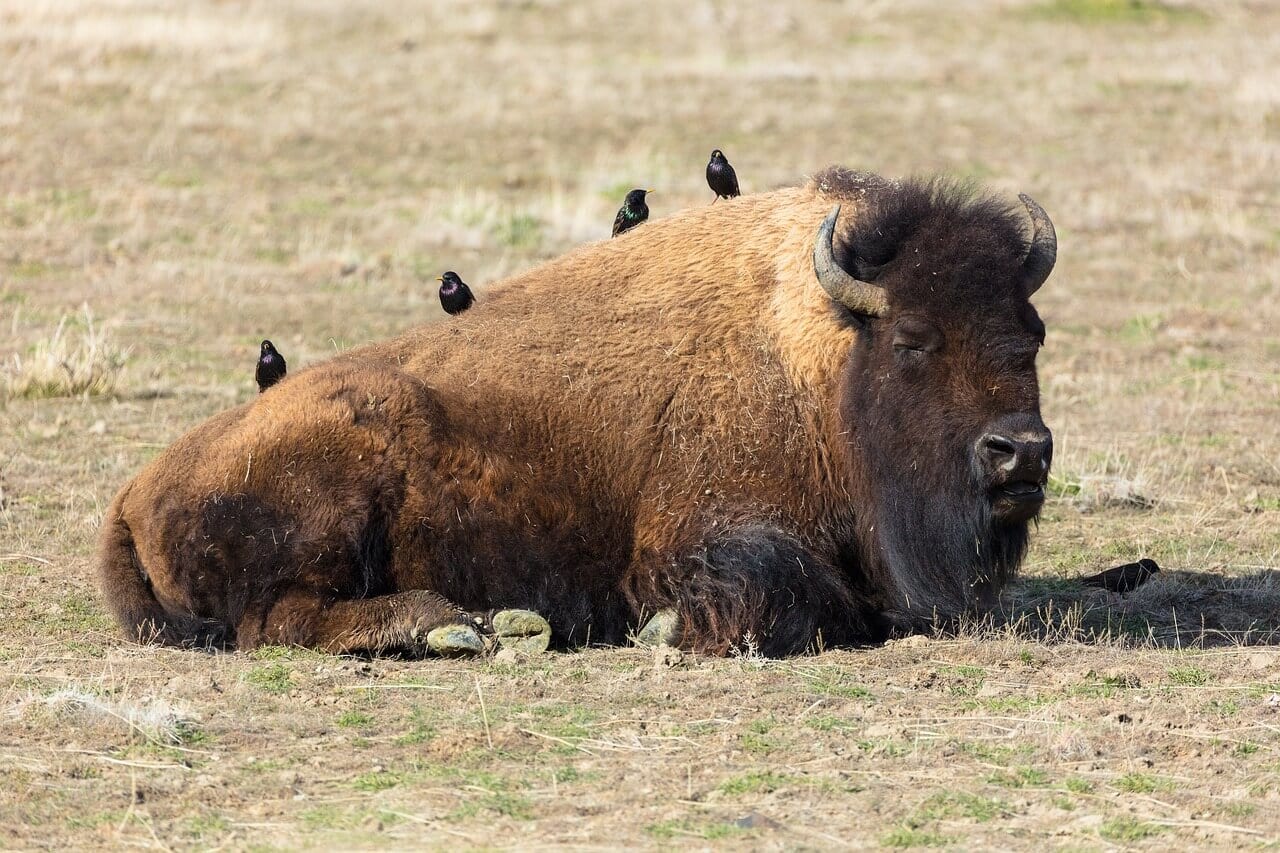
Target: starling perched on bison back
(721,177)
(271,367)
(632,213)
(455,296)
(1124,578)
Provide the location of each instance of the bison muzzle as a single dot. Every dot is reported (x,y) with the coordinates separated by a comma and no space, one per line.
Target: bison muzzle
(807,418)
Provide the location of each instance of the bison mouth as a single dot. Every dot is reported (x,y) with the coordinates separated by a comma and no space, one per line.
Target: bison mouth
(1017,500)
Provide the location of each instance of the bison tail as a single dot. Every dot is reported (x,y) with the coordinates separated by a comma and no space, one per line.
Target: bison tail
(128,593)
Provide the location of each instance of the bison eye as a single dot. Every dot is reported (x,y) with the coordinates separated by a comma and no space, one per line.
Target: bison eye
(916,335)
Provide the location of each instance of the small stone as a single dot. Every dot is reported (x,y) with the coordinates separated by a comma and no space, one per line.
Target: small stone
(509,656)
(755,820)
(1259,661)
(522,630)
(1117,677)
(455,640)
(99,428)
(666,657)
(660,630)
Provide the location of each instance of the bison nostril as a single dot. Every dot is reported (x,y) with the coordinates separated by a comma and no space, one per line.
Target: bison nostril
(997,448)
(1025,457)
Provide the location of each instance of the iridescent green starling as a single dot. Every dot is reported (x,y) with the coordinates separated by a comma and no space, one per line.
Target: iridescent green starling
(632,213)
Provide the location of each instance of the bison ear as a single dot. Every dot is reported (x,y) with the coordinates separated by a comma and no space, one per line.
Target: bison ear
(852,291)
(1043,253)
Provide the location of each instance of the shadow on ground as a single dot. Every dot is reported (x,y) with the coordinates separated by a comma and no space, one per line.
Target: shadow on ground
(1175,609)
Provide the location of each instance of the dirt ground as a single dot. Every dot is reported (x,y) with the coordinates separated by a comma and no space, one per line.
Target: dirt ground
(194,177)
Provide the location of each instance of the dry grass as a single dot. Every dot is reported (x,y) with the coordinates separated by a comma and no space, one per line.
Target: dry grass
(207,175)
(77,358)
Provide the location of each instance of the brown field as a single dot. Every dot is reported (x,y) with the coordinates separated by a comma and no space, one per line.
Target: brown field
(179,180)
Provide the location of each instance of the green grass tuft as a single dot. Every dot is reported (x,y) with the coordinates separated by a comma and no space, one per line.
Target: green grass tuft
(755,782)
(379,780)
(354,719)
(1116,12)
(272,678)
(1022,777)
(682,827)
(1076,785)
(904,837)
(1142,783)
(1189,676)
(1128,829)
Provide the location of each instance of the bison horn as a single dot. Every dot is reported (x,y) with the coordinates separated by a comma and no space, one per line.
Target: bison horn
(860,297)
(1044,247)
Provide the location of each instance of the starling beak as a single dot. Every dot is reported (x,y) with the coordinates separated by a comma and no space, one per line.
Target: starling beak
(632,213)
(1124,578)
(721,177)
(455,296)
(271,367)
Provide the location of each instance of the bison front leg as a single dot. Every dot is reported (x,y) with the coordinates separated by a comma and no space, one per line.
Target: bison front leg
(415,622)
(753,587)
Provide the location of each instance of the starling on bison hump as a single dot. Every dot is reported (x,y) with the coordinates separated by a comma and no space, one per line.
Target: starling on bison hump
(721,177)
(271,367)
(455,296)
(632,213)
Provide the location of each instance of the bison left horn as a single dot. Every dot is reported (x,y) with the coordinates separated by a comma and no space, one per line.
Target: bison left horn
(860,297)
(1044,247)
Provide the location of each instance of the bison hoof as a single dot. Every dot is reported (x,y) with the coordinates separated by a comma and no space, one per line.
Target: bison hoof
(660,630)
(521,630)
(455,641)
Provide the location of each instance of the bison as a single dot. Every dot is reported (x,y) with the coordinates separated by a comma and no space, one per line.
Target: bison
(804,418)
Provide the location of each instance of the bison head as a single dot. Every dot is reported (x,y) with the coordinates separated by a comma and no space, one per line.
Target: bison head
(941,400)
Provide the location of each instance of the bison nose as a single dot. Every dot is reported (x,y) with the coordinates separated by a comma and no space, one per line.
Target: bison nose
(1016,455)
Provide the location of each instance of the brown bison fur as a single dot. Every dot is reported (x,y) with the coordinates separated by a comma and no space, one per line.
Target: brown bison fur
(678,418)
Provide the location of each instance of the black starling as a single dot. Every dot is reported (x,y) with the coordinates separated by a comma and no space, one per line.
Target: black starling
(721,177)
(271,367)
(1124,578)
(455,296)
(632,213)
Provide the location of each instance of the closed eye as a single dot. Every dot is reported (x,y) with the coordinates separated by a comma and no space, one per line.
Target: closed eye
(906,344)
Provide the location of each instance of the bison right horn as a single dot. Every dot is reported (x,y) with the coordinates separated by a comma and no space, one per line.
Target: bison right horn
(860,297)
(1044,247)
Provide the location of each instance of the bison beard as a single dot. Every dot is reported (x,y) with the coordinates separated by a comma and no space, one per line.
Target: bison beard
(711,416)
(945,556)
